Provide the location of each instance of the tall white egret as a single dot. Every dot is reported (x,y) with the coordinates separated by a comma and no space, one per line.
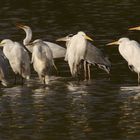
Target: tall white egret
(3,69)
(42,59)
(17,56)
(58,51)
(93,56)
(76,50)
(130,51)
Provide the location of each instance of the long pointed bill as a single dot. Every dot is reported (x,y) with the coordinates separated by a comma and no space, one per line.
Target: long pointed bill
(135,28)
(88,38)
(113,43)
(62,39)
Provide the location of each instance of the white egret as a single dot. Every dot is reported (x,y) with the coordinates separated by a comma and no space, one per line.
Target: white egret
(93,55)
(17,56)
(130,51)
(42,59)
(76,50)
(58,51)
(3,69)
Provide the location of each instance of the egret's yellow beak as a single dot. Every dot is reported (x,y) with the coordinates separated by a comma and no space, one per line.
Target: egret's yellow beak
(88,38)
(62,39)
(134,28)
(113,43)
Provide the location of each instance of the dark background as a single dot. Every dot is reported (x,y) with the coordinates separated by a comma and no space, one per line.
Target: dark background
(106,107)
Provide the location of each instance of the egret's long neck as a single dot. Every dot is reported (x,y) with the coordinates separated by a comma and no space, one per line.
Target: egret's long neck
(28,36)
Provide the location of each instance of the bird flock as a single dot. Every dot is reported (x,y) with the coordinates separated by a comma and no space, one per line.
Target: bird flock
(79,53)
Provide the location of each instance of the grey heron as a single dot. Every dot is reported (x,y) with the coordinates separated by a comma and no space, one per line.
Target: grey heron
(93,55)
(42,59)
(17,56)
(58,51)
(130,51)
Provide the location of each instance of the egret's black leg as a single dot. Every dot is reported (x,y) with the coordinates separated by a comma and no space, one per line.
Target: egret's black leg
(22,81)
(44,80)
(15,79)
(138,78)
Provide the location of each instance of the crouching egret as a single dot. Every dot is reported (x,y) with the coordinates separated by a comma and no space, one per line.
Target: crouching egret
(18,58)
(130,51)
(42,59)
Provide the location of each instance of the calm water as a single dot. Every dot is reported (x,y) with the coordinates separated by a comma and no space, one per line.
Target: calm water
(105,108)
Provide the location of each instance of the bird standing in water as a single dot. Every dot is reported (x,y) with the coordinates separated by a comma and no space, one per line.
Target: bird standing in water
(18,58)
(130,51)
(76,51)
(93,56)
(42,59)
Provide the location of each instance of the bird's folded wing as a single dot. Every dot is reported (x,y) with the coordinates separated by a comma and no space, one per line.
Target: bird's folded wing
(58,51)
(96,56)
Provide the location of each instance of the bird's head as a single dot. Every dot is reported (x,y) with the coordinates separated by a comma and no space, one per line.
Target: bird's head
(84,35)
(118,42)
(5,41)
(24,27)
(135,28)
(2,43)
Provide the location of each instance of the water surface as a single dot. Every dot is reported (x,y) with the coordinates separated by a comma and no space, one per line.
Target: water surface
(106,107)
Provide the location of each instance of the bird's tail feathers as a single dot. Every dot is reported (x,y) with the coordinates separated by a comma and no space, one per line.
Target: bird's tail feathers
(105,68)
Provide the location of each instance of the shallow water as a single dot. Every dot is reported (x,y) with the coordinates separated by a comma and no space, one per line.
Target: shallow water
(106,107)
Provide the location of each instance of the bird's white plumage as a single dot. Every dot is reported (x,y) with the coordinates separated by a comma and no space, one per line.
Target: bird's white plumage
(76,49)
(42,59)
(130,51)
(57,50)
(18,57)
